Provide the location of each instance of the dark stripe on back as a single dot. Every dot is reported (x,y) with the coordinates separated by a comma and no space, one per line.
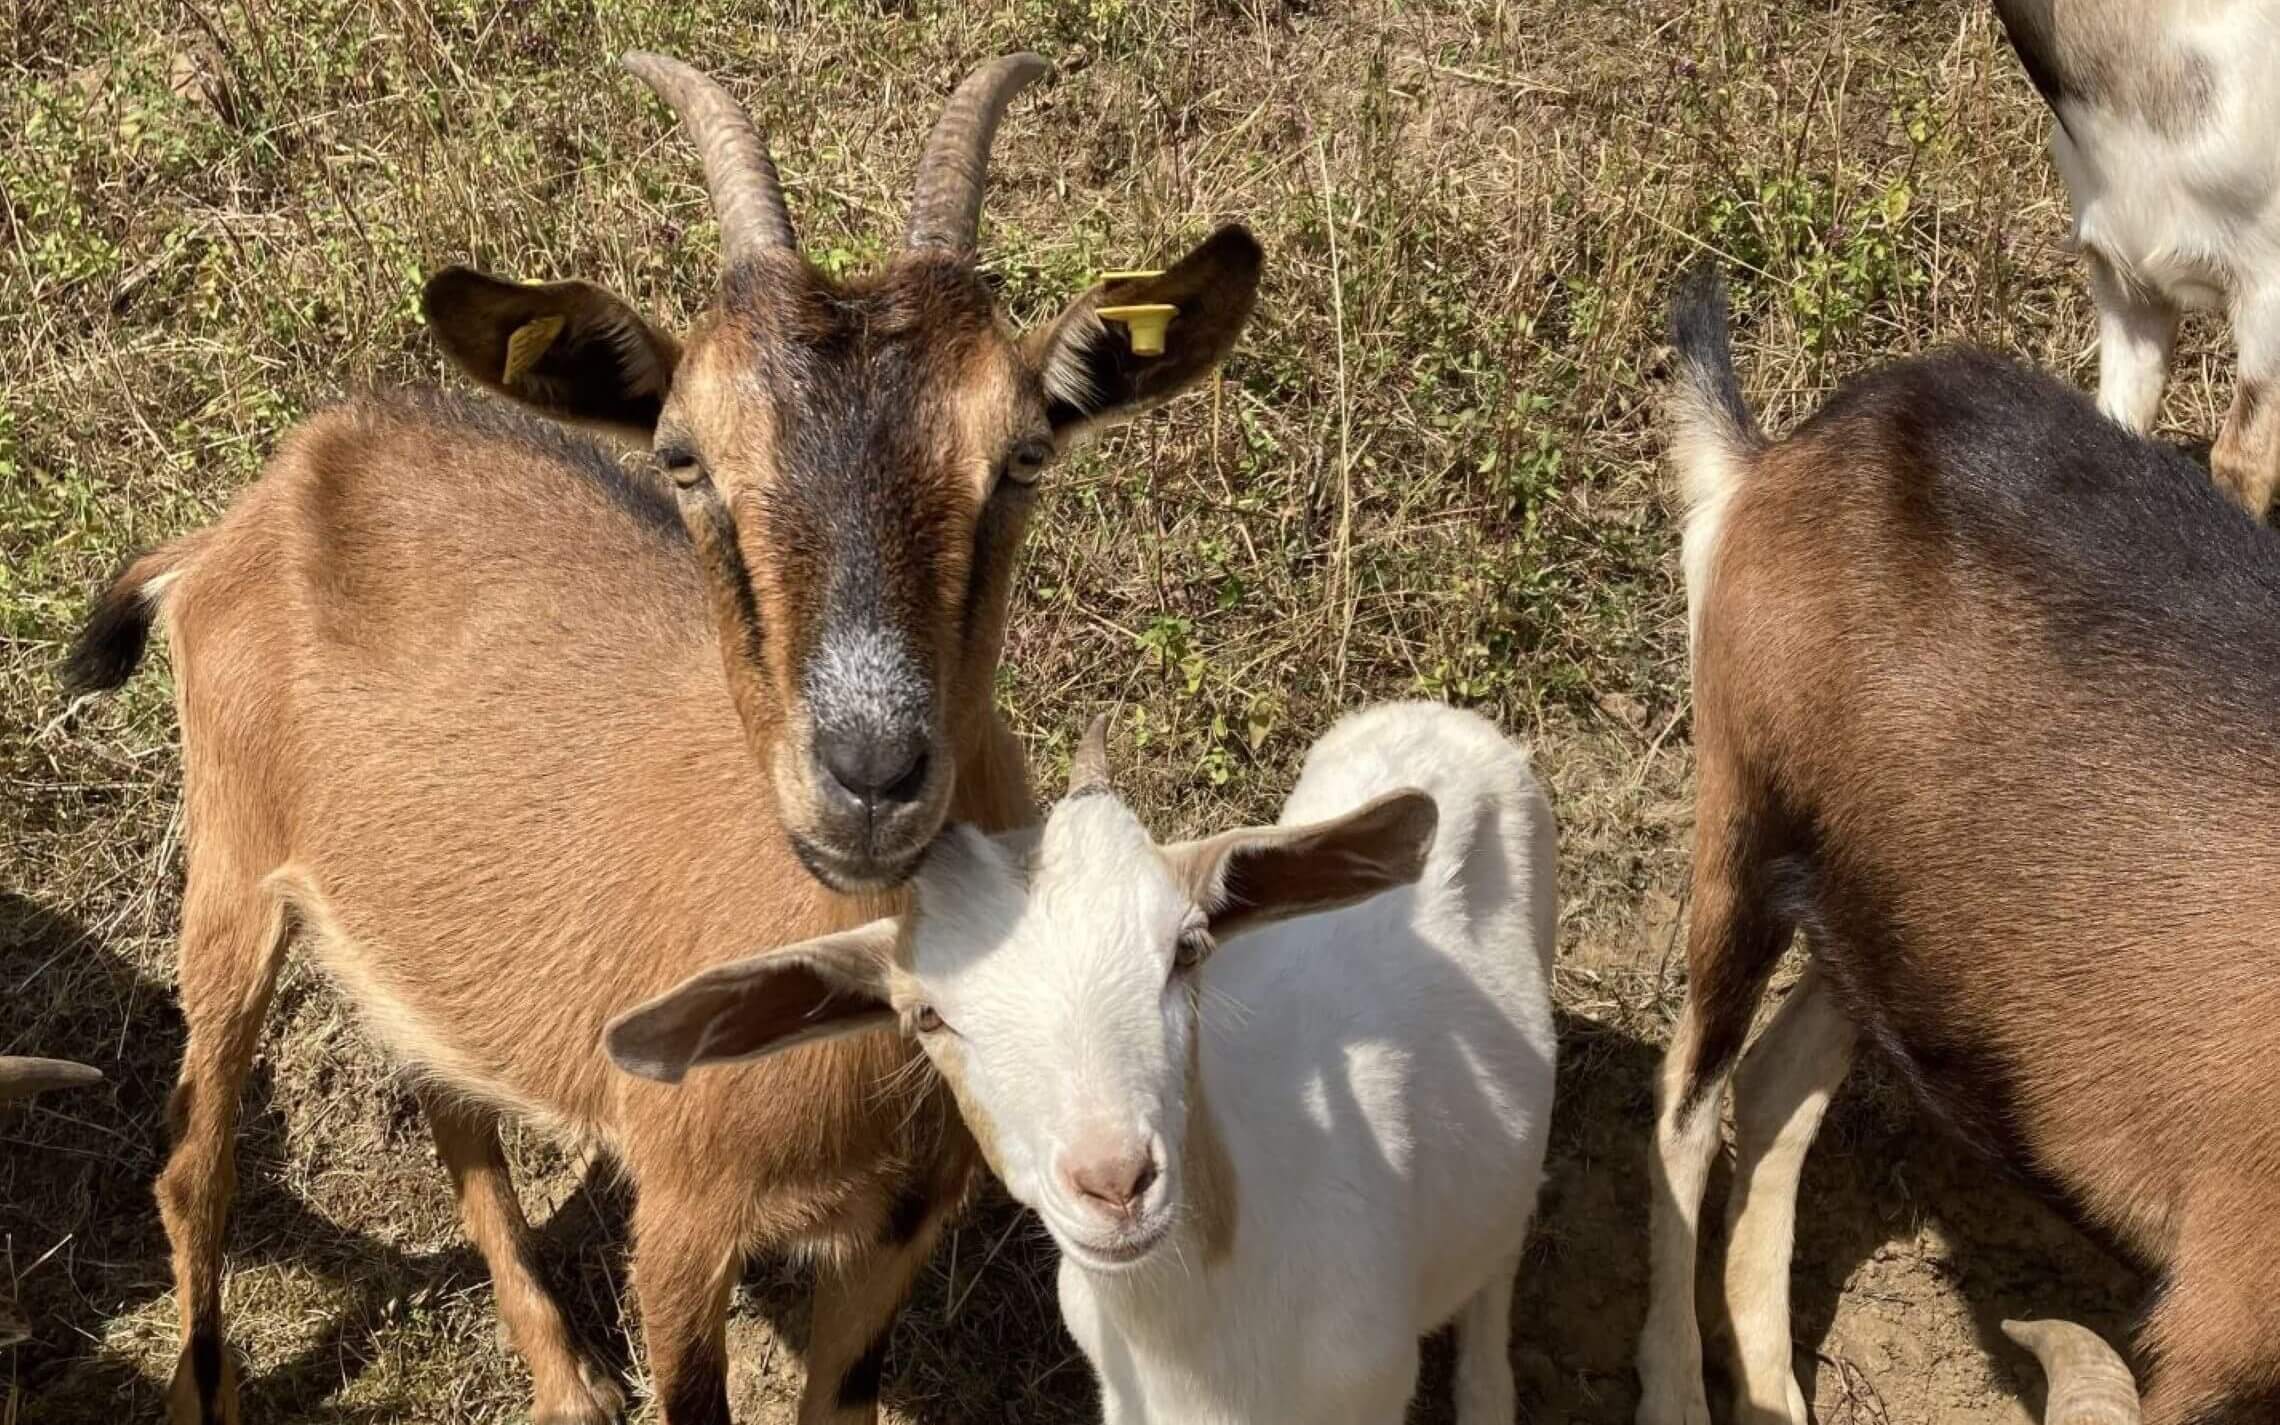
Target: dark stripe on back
(631,491)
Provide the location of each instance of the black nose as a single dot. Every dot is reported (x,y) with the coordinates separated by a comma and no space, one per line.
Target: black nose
(875,770)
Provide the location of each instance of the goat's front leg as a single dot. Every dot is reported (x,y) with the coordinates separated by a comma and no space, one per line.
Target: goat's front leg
(1486,1392)
(2246,460)
(1780,1092)
(569,1388)
(687,1249)
(2137,327)
(856,1302)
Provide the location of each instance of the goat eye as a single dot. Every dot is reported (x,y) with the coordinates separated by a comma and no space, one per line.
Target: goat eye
(683,464)
(1026,461)
(1194,948)
(924,1019)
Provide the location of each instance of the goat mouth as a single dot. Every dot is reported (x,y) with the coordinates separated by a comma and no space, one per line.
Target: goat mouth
(862,874)
(1116,1256)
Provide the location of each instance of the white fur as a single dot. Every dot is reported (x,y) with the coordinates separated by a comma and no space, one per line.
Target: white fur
(1781,1090)
(864,677)
(2188,219)
(1380,1077)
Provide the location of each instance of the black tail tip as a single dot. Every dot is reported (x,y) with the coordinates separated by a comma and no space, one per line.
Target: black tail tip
(1698,312)
(110,647)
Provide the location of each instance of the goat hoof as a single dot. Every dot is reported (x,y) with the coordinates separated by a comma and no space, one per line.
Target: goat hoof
(1672,1407)
(1790,1412)
(597,1402)
(212,1400)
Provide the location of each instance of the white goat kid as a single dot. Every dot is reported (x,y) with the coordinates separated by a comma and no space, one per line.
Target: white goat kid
(2168,138)
(1270,1166)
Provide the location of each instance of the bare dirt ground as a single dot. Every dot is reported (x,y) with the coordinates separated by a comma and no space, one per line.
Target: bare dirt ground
(1429,470)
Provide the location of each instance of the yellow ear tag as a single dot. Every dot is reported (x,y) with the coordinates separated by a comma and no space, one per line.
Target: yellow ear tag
(1146,322)
(527,345)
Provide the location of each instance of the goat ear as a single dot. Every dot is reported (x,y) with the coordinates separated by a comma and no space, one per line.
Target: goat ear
(820,988)
(1092,375)
(1248,878)
(568,349)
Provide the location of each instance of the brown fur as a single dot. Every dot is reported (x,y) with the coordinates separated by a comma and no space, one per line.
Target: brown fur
(2246,459)
(511,746)
(348,701)
(2026,824)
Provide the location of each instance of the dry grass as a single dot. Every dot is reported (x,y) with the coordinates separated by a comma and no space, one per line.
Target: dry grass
(1429,470)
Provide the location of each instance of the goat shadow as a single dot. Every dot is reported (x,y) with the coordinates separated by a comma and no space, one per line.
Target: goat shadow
(84,1243)
(85,1252)
(1882,1175)
(981,1339)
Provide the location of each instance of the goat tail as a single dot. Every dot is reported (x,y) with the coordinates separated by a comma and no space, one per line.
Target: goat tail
(1712,433)
(1713,437)
(110,646)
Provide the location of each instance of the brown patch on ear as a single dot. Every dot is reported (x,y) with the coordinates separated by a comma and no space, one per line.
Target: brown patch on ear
(1243,879)
(819,989)
(1090,372)
(569,349)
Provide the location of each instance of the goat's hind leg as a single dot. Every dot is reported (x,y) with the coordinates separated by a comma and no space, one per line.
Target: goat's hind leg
(2137,329)
(2210,1332)
(233,942)
(1780,1092)
(1733,942)
(1486,1394)
(568,1388)
(2246,458)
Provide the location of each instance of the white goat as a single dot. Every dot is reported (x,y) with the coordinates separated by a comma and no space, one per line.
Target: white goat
(1272,1167)
(2168,138)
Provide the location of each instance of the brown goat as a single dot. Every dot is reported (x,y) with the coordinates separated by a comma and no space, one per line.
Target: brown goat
(453,707)
(1984,698)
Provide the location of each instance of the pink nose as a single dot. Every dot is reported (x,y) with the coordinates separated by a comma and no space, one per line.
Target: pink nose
(1111,1181)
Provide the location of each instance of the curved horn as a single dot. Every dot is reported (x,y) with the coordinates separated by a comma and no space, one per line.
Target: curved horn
(747,196)
(1088,770)
(21,1077)
(2089,1385)
(946,202)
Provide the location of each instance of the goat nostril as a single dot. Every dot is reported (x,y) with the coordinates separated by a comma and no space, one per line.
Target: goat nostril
(906,787)
(1114,1183)
(875,770)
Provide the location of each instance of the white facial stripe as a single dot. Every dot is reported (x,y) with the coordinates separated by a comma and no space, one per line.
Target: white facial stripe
(864,681)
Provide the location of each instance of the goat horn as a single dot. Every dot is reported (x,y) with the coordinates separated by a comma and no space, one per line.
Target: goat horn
(747,196)
(946,202)
(21,1077)
(1088,770)
(2089,1385)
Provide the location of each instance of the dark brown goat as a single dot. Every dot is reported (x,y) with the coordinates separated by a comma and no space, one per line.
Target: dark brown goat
(1985,699)
(454,713)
